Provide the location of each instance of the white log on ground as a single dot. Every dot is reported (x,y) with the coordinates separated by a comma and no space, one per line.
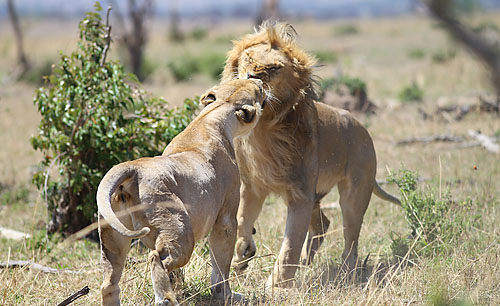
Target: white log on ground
(489,143)
(12,234)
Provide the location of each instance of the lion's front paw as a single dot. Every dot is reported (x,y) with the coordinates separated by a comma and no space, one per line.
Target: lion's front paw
(245,251)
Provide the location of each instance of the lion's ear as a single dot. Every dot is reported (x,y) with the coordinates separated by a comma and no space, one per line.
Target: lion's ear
(246,113)
(208,98)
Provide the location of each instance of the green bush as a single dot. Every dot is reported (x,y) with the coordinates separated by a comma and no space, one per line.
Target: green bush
(441,56)
(436,221)
(183,67)
(416,53)
(354,84)
(199,33)
(326,56)
(212,64)
(346,30)
(10,194)
(186,66)
(94,117)
(411,93)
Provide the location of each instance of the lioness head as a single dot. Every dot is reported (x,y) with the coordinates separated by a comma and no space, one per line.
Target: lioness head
(242,98)
(271,55)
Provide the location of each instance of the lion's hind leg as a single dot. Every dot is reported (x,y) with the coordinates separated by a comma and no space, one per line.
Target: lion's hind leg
(317,228)
(355,192)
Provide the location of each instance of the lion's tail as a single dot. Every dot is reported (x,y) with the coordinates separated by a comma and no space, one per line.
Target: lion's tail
(379,192)
(108,185)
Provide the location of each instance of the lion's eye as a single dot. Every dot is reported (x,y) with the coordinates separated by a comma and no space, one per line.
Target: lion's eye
(273,68)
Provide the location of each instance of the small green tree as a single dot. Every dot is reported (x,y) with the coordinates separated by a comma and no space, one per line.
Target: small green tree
(94,117)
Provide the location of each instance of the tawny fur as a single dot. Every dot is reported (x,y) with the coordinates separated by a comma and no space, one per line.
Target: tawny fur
(299,149)
(172,201)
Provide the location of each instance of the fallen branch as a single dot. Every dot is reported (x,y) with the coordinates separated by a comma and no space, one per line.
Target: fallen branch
(33,266)
(489,143)
(84,291)
(428,139)
(13,234)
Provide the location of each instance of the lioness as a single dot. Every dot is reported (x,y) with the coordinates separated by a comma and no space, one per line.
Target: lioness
(172,201)
(299,150)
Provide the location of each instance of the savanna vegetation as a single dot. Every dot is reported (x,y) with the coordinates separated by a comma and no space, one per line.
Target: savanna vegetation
(440,248)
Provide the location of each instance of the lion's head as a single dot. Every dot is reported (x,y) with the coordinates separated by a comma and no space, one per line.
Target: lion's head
(271,54)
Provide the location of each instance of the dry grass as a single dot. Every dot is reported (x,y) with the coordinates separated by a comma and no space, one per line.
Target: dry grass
(469,270)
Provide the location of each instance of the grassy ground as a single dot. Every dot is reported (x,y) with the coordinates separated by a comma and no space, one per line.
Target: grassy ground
(388,54)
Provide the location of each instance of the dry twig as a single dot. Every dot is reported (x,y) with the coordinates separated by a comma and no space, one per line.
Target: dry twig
(84,291)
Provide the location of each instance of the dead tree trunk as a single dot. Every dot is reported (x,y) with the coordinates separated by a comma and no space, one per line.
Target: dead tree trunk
(268,10)
(136,38)
(174,31)
(486,51)
(22,62)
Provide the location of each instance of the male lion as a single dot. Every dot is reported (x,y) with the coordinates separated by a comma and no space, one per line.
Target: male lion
(172,201)
(299,150)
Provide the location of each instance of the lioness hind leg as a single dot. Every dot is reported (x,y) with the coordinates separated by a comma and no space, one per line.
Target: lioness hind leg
(162,287)
(114,249)
(354,199)
(221,242)
(317,228)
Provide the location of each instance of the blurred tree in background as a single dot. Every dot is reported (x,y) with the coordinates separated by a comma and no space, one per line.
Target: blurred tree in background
(135,36)
(22,65)
(446,12)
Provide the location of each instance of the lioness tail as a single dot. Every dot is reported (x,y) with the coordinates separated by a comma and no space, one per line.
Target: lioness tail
(108,185)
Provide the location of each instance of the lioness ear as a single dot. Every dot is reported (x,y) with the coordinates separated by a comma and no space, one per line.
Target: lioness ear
(208,98)
(246,113)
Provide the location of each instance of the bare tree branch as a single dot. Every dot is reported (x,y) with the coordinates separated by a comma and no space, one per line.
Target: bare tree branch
(442,10)
(107,37)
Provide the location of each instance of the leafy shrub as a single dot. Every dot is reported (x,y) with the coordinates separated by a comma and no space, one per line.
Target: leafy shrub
(212,64)
(346,30)
(411,93)
(94,117)
(416,53)
(326,56)
(10,194)
(441,56)
(224,39)
(184,67)
(436,222)
(199,33)
(353,83)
